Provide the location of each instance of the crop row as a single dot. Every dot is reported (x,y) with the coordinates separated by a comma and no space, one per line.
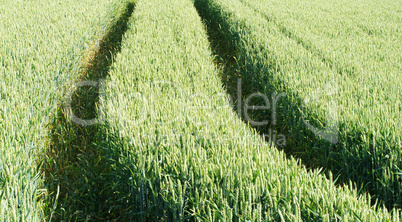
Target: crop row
(182,151)
(340,107)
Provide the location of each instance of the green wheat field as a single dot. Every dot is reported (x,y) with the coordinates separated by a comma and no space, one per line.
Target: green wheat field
(200,110)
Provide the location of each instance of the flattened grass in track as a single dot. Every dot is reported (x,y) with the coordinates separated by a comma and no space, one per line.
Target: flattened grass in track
(78,162)
(41,43)
(189,156)
(329,78)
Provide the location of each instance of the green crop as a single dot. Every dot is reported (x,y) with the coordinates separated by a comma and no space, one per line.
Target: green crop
(97,123)
(338,74)
(361,41)
(182,151)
